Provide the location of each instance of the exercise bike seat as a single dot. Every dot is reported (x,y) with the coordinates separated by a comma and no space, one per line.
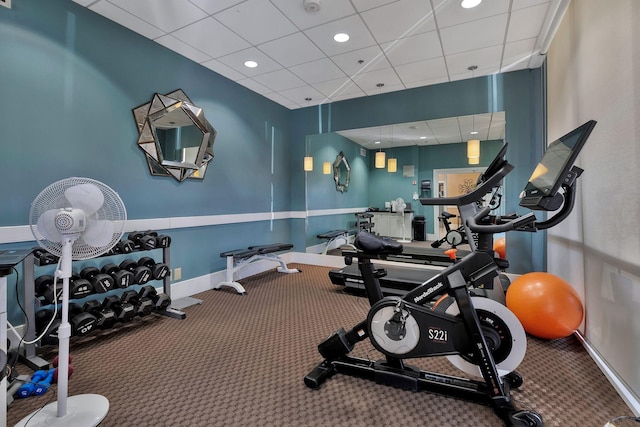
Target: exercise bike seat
(376,245)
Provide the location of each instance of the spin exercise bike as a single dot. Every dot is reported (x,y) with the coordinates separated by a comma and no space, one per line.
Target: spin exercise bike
(453,236)
(479,335)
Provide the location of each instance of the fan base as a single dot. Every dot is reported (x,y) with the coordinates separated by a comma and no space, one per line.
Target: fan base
(82,410)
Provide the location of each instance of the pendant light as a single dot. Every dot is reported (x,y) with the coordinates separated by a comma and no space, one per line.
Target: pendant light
(392,163)
(308,160)
(380,162)
(473,145)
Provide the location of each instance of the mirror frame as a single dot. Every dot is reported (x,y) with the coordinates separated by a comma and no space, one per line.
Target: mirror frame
(341,160)
(159,106)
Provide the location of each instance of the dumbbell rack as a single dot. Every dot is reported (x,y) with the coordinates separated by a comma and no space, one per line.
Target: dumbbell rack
(29,356)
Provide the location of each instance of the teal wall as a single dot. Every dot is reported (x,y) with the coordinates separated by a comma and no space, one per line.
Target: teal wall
(70,78)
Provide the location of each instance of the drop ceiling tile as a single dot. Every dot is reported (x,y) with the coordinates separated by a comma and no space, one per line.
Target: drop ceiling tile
(449,13)
(526,23)
(317,71)
(487,60)
(236,61)
(254,86)
(322,36)
(84,3)
(215,6)
(126,19)
(447,130)
(368,81)
(409,17)
(353,95)
(279,99)
(413,49)
(248,20)
(362,5)
(372,57)
(342,86)
(182,48)
(423,70)
(516,55)
(522,4)
(223,69)
(474,35)
(426,82)
(330,10)
(168,15)
(279,80)
(299,95)
(292,50)
(209,36)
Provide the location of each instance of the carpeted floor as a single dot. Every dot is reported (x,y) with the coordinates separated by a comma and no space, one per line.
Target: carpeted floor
(240,361)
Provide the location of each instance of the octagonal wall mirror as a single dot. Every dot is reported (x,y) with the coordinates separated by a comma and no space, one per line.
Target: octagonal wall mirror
(175,136)
(341,172)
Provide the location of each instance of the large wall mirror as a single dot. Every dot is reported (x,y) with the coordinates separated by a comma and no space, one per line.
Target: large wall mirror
(175,136)
(421,151)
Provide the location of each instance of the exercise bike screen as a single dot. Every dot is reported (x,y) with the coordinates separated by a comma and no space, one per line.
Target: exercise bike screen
(548,175)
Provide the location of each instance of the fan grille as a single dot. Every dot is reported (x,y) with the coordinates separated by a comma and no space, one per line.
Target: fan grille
(53,197)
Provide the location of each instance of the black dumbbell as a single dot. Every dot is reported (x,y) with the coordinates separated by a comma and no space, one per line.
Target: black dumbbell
(106,317)
(141,273)
(160,301)
(44,289)
(101,282)
(43,317)
(143,306)
(122,278)
(82,323)
(125,311)
(124,246)
(158,270)
(142,240)
(163,241)
(42,257)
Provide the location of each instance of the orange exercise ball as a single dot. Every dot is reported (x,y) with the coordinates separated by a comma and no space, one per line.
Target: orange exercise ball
(500,246)
(546,305)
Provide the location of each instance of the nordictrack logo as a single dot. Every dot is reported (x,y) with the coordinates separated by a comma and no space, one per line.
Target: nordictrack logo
(429,291)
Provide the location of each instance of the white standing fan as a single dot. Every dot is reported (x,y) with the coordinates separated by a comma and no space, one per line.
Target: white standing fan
(74,219)
(401,206)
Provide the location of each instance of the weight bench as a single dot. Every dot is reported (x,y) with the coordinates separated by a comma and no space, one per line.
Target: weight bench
(332,236)
(239,258)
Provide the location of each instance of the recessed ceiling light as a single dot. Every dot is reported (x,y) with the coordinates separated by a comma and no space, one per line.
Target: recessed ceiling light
(474,132)
(250,64)
(468,4)
(341,37)
(423,137)
(377,142)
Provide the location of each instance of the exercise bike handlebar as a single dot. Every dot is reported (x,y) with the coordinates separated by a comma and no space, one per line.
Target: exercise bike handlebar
(499,224)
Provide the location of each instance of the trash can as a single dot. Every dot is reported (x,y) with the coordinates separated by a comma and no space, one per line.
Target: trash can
(419,232)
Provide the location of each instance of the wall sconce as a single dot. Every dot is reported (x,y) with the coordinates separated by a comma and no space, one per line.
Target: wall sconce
(392,165)
(474,160)
(326,168)
(308,163)
(380,160)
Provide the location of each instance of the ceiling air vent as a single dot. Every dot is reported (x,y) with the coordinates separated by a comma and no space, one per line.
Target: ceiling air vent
(5,3)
